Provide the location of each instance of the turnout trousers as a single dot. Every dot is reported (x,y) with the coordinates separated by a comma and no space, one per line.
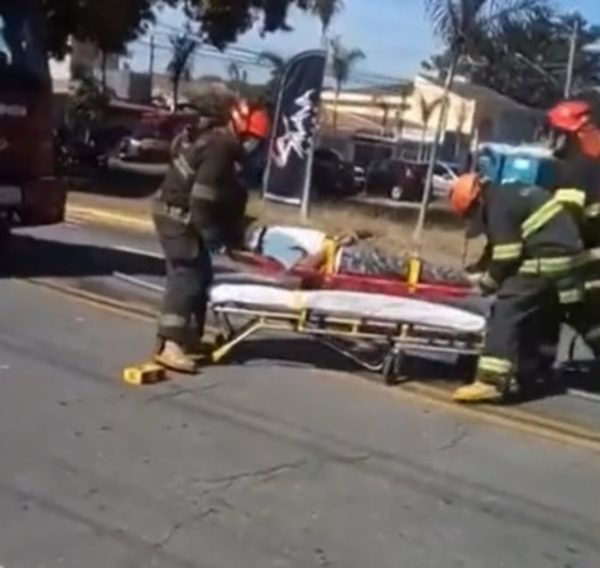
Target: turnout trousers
(524,319)
(584,316)
(189,276)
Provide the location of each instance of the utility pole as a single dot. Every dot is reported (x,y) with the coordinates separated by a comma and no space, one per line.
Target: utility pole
(574,37)
(151,69)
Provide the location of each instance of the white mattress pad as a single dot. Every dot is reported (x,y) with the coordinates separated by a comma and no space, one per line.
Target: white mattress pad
(375,307)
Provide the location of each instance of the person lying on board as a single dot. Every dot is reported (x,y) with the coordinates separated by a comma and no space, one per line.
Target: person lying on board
(306,250)
(353,254)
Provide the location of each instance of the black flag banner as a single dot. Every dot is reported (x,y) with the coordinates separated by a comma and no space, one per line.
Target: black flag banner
(294,127)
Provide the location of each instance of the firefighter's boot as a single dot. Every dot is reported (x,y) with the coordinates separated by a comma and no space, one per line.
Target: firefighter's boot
(478,392)
(172,356)
(201,351)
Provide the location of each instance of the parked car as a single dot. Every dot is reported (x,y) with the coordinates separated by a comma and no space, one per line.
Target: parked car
(151,141)
(404,180)
(332,176)
(444,175)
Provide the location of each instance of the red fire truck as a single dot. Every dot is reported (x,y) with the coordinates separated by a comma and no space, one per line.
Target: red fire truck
(30,194)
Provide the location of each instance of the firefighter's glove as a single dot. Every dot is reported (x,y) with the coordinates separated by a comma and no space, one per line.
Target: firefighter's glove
(474,278)
(487,285)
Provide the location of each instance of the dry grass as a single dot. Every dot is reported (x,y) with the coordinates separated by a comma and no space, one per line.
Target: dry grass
(392,229)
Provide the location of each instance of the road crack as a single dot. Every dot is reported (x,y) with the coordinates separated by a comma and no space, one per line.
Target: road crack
(179,525)
(460,434)
(267,472)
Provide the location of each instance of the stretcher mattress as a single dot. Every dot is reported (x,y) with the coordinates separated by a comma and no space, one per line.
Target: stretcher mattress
(358,305)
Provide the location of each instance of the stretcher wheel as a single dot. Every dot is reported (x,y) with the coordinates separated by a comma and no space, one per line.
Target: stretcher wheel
(219,340)
(392,368)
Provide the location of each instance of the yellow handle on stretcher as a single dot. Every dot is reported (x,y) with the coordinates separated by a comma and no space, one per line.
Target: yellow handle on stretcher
(330,249)
(415,266)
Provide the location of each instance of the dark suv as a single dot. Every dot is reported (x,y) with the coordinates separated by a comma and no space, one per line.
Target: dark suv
(400,180)
(332,176)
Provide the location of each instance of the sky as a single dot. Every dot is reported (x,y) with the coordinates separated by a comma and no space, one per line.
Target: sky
(395,35)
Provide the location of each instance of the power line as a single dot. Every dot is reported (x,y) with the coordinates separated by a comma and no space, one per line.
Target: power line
(236,50)
(361,79)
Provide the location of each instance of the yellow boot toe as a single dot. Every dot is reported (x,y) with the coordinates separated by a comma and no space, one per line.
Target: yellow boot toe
(477,392)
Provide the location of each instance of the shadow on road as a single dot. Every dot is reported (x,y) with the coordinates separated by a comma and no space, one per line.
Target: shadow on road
(309,353)
(31,257)
(305,352)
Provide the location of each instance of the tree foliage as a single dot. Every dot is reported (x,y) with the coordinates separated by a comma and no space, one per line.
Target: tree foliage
(180,66)
(527,59)
(326,10)
(86,108)
(342,62)
(113,23)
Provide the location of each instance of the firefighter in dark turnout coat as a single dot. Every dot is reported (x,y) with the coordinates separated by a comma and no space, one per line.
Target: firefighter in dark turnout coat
(578,149)
(199,208)
(534,242)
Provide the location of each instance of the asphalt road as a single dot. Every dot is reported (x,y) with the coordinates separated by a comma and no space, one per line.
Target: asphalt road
(262,465)
(113,262)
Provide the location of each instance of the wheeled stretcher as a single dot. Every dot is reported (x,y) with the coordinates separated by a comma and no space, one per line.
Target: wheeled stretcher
(394,325)
(376,321)
(340,308)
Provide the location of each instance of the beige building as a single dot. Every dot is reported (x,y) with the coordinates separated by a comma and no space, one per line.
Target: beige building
(406,115)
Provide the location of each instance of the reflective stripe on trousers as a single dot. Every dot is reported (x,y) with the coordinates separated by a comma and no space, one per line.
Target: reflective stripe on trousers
(494,365)
(495,371)
(173,321)
(571,296)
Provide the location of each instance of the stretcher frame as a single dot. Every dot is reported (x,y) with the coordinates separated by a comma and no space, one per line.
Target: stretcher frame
(395,338)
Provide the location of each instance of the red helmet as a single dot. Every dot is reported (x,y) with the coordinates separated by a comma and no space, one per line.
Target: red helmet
(570,116)
(250,121)
(464,193)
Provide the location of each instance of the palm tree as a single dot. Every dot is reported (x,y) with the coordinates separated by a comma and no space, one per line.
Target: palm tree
(276,62)
(326,11)
(385,108)
(342,63)
(461,25)
(180,66)
(405,92)
(238,76)
(426,108)
(461,121)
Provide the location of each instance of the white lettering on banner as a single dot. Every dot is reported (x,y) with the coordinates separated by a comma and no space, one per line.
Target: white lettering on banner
(18,111)
(296,134)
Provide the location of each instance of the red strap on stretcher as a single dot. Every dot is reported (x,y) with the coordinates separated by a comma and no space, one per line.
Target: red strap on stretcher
(351,282)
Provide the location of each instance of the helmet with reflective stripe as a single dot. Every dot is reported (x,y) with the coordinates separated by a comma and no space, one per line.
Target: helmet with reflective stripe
(250,121)
(464,193)
(570,116)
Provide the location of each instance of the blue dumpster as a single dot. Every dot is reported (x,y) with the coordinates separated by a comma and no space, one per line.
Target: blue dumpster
(505,164)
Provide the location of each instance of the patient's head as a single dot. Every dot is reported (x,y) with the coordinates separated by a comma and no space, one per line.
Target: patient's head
(253,231)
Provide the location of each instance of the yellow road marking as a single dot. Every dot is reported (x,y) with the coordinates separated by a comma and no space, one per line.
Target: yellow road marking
(525,422)
(79,214)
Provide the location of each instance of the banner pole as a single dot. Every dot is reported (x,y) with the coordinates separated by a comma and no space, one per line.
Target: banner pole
(305,205)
